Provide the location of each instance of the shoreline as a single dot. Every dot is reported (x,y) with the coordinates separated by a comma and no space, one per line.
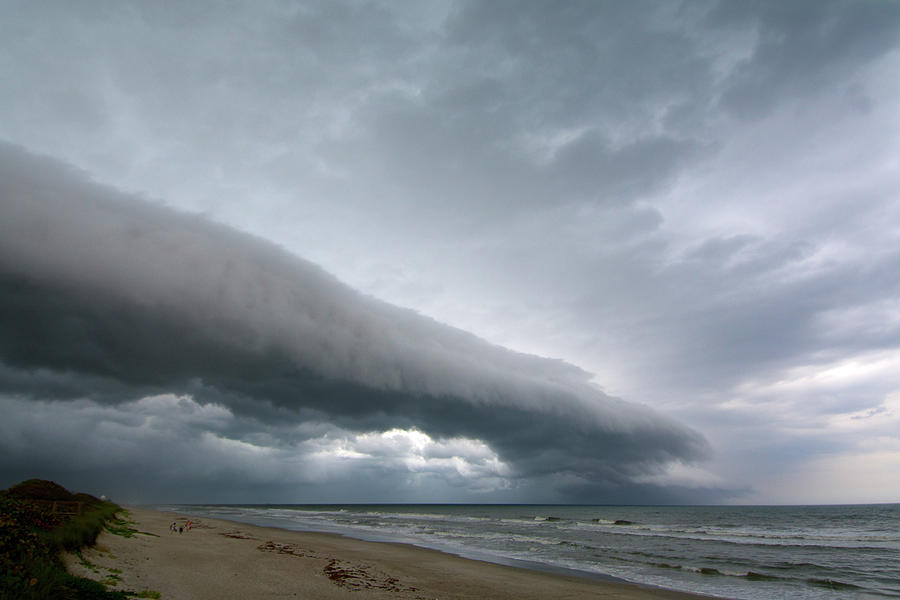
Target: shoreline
(474,555)
(464,553)
(230,559)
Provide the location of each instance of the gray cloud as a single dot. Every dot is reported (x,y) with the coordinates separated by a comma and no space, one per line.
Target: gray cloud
(98,287)
(803,46)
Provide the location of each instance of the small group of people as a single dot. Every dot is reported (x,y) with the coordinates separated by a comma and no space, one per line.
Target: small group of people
(176,528)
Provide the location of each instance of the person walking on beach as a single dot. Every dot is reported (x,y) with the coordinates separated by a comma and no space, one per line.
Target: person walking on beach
(172,527)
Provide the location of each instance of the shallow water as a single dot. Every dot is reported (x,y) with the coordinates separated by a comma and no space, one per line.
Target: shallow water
(750,553)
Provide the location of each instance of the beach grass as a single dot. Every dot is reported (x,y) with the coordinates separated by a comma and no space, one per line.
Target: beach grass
(82,530)
(122,527)
(32,539)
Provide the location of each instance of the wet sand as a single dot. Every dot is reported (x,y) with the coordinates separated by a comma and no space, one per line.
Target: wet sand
(225,560)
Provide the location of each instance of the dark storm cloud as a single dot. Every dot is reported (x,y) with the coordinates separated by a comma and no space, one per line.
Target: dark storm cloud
(109,298)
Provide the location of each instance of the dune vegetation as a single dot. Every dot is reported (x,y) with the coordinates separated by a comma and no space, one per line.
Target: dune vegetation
(35,530)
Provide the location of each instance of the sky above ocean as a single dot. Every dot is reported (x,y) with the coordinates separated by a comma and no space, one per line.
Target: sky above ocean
(602,252)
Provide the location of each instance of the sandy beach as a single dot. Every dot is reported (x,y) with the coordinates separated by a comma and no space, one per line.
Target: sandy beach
(221,560)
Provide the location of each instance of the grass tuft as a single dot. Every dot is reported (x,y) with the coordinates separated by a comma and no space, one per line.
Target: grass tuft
(122,528)
(82,530)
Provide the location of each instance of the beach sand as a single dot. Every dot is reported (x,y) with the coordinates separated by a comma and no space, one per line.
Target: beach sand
(225,560)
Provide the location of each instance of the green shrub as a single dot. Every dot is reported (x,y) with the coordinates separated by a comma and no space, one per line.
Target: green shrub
(38,489)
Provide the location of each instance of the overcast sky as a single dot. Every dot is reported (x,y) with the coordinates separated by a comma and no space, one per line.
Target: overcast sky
(452,251)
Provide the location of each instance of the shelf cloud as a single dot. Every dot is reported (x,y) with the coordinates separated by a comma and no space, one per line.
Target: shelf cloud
(108,299)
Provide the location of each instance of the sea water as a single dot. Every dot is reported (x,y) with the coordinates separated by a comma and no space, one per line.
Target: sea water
(746,552)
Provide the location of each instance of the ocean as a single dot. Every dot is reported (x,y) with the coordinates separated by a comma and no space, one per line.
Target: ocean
(742,552)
